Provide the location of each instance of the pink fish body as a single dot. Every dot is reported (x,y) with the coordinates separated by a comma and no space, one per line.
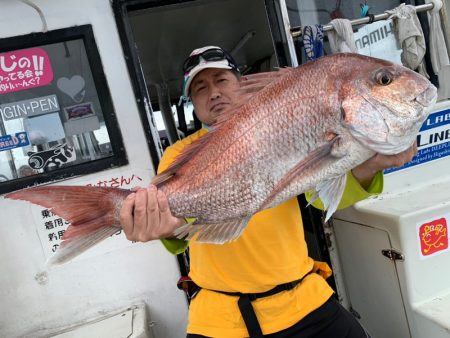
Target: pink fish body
(304,130)
(292,131)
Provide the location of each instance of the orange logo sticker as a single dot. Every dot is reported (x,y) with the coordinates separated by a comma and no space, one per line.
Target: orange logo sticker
(433,236)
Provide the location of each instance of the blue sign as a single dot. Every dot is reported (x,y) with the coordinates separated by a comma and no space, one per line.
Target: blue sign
(18,140)
(433,140)
(437,119)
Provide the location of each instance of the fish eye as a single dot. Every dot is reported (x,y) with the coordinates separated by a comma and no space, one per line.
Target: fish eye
(384,78)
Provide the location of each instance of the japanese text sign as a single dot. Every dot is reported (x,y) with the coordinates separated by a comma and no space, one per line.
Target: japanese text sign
(51,227)
(24,69)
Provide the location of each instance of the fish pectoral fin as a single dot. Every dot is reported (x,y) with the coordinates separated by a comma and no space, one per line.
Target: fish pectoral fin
(216,233)
(341,146)
(313,198)
(330,192)
(77,244)
(313,159)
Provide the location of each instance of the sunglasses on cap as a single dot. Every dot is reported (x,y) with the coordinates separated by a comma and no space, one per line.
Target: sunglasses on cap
(213,54)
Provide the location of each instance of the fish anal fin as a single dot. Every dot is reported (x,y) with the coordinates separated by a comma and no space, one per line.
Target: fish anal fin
(216,233)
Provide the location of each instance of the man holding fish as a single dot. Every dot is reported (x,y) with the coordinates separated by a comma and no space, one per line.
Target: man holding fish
(327,128)
(263,282)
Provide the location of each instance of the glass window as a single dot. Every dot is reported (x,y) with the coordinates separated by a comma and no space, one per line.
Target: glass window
(56,112)
(376,39)
(188,110)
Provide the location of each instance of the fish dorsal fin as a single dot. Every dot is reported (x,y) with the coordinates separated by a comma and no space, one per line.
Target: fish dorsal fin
(254,83)
(188,152)
(249,85)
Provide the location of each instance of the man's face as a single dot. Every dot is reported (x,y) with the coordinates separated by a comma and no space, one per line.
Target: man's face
(213,90)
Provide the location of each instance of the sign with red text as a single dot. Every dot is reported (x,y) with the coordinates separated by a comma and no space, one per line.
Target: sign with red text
(24,69)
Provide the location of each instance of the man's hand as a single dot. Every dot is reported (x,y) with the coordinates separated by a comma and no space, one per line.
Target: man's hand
(145,215)
(365,172)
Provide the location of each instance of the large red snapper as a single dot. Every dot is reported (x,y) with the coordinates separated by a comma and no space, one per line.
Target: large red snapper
(292,131)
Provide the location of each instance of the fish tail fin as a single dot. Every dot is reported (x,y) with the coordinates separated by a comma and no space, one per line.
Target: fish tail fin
(213,233)
(92,211)
(74,246)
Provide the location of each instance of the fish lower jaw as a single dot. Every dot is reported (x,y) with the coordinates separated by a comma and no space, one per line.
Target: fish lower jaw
(391,145)
(393,148)
(428,97)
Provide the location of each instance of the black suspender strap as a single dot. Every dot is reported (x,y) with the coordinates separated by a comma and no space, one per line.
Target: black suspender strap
(249,316)
(244,302)
(246,308)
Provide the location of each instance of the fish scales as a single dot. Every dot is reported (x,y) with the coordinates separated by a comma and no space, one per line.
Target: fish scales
(260,137)
(310,97)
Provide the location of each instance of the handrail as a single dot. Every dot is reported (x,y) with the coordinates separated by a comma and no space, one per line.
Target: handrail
(297,31)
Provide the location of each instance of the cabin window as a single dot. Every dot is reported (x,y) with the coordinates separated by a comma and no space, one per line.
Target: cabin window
(154,34)
(57,118)
(376,39)
(185,122)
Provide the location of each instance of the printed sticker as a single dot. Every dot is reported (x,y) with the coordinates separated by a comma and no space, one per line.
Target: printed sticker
(433,237)
(79,111)
(24,69)
(73,87)
(8,142)
(55,156)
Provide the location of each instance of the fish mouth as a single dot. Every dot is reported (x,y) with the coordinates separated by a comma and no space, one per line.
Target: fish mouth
(423,101)
(397,123)
(428,97)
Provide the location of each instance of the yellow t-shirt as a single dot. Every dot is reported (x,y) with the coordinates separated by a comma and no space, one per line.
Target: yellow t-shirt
(271,251)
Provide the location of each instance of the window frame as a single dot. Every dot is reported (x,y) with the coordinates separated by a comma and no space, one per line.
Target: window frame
(119,158)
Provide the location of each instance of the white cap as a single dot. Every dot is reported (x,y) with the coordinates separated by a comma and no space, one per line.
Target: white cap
(203,64)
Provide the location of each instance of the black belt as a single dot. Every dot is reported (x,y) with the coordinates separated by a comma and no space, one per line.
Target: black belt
(246,308)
